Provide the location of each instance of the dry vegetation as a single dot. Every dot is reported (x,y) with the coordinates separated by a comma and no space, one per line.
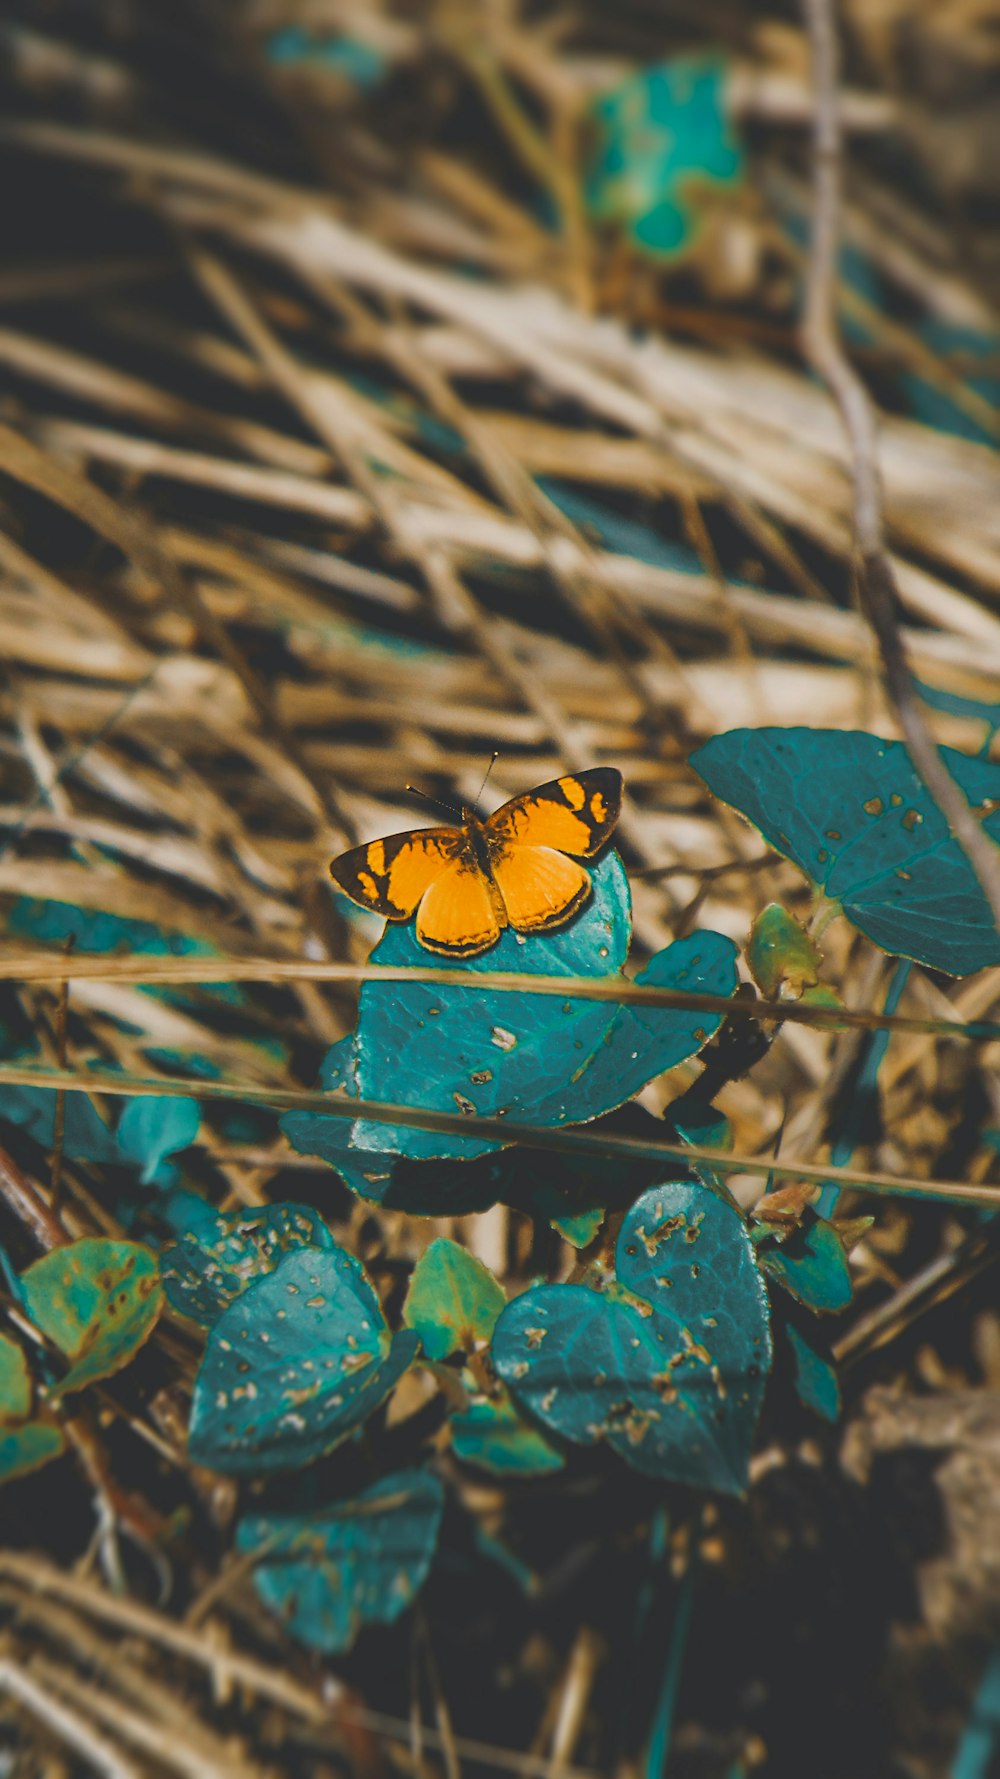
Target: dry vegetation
(285,367)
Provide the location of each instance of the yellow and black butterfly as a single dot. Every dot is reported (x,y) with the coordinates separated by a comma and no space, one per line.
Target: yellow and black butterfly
(519,868)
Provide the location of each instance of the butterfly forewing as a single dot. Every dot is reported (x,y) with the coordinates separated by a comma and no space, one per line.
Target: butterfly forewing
(574,814)
(392,876)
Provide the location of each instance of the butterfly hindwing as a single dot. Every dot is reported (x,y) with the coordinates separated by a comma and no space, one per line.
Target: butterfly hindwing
(574,814)
(540,887)
(391,876)
(461,914)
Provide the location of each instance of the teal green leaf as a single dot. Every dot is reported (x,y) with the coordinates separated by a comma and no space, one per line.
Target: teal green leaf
(15,1382)
(579,1229)
(86,1137)
(153,1126)
(810,1263)
(97,1301)
(28,1446)
(697,1121)
(214,1262)
(453,1300)
(530,1059)
(665,140)
(850,810)
(359,1562)
(294,1364)
(494,1436)
(815,1378)
(507,1055)
(668,1362)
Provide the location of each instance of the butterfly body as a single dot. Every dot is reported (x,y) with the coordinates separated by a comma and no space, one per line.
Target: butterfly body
(518,868)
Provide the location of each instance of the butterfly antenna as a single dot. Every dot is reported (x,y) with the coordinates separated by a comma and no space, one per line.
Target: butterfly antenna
(437,802)
(494,757)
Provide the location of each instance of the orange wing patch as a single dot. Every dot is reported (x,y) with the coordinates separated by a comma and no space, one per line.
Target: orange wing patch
(461,914)
(540,887)
(390,876)
(575,814)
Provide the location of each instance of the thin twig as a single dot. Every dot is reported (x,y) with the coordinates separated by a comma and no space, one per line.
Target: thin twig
(618,990)
(576,1141)
(876,580)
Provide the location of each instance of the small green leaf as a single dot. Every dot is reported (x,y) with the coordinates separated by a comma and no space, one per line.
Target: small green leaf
(29,1446)
(453,1300)
(294,1364)
(780,952)
(666,139)
(357,1562)
(852,813)
(494,1436)
(579,1230)
(15,1383)
(668,1362)
(154,1126)
(97,1301)
(815,1378)
(213,1263)
(809,1262)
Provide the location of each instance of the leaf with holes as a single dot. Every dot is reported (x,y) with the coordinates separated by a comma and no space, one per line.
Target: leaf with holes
(299,1360)
(668,1361)
(852,813)
(532,1059)
(212,1264)
(97,1301)
(453,1300)
(354,1563)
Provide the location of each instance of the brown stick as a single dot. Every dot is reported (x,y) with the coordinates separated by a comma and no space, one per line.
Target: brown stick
(822,345)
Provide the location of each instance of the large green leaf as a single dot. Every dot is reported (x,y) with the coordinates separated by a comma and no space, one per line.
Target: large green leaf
(851,811)
(453,1301)
(97,1301)
(667,1362)
(532,1059)
(356,1562)
(212,1264)
(295,1363)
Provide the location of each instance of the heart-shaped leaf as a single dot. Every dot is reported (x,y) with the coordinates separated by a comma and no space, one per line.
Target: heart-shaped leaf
(453,1300)
(550,1062)
(357,1562)
(852,812)
(299,1360)
(153,1126)
(211,1265)
(669,1362)
(97,1301)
